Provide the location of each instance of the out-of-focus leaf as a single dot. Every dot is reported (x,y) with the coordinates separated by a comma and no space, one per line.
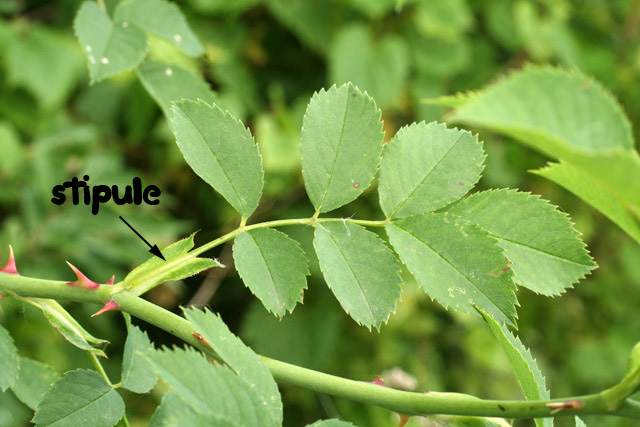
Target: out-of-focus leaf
(110,48)
(34,380)
(380,68)
(426,167)
(80,398)
(10,360)
(169,82)
(444,19)
(311,21)
(545,251)
(435,249)
(273,266)
(240,358)
(523,364)
(221,150)
(341,146)
(360,269)
(161,18)
(12,151)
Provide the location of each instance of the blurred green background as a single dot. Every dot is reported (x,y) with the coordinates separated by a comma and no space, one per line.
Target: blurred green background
(265,58)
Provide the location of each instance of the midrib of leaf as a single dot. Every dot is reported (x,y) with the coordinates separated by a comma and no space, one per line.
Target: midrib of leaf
(352,274)
(83,406)
(544,252)
(240,198)
(453,266)
(266,265)
(335,158)
(424,178)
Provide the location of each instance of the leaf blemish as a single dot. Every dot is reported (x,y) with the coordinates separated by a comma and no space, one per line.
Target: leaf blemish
(356,185)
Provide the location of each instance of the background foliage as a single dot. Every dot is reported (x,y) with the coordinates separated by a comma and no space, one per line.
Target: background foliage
(264,59)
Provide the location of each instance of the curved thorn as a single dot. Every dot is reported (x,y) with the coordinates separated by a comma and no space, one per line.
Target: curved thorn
(10,268)
(108,306)
(83,281)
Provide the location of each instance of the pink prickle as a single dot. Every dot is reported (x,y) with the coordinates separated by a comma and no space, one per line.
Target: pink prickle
(10,268)
(108,306)
(378,381)
(83,281)
(111,281)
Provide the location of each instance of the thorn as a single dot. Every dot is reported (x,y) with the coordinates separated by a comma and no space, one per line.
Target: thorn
(10,268)
(403,420)
(83,281)
(112,280)
(378,381)
(108,306)
(201,339)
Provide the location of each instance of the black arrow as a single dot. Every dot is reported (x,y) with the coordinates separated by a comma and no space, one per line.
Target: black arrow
(154,249)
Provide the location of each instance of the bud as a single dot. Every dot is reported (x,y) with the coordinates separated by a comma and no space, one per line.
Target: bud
(10,268)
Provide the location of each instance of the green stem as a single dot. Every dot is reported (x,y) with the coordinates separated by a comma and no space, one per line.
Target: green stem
(99,367)
(396,400)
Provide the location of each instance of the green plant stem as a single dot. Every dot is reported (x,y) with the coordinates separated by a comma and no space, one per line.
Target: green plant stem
(99,367)
(401,401)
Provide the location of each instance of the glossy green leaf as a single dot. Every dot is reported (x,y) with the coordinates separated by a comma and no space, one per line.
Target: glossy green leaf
(155,271)
(360,269)
(210,389)
(273,266)
(10,360)
(545,251)
(110,49)
(247,364)
(81,398)
(523,364)
(456,263)
(34,380)
(341,146)
(379,68)
(221,150)
(67,326)
(137,374)
(594,192)
(426,167)
(169,82)
(160,18)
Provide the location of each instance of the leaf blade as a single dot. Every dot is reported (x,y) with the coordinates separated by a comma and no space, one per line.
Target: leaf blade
(34,380)
(10,360)
(137,375)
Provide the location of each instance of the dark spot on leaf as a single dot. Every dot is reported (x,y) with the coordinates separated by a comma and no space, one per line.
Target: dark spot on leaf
(353,95)
(461,184)
(501,408)
(356,184)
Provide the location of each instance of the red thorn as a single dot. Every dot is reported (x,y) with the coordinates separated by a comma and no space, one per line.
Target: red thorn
(378,381)
(10,268)
(83,281)
(403,420)
(108,306)
(112,280)
(201,339)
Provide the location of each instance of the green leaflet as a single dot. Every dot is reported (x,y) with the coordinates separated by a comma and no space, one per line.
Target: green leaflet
(273,266)
(456,263)
(156,271)
(548,109)
(341,146)
(524,365)
(161,18)
(360,269)
(426,167)
(580,423)
(240,358)
(191,418)
(68,326)
(110,49)
(221,150)
(210,389)
(170,404)
(34,380)
(169,82)
(379,68)
(81,398)
(594,192)
(544,249)
(10,360)
(137,375)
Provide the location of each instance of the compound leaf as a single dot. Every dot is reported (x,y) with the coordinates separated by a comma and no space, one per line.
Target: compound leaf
(221,150)
(210,389)
(360,269)
(10,360)
(544,249)
(169,82)
(524,365)
(110,49)
(137,374)
(240,358)
(80,398)
(160,18)
(273,266)
(426,167)
(34,380)
(456,263)
(341,146)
